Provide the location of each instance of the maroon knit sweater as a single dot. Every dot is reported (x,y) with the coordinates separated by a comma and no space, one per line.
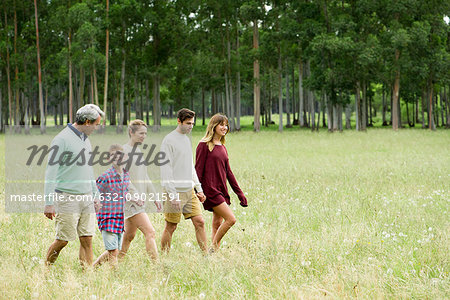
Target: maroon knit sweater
(213,170)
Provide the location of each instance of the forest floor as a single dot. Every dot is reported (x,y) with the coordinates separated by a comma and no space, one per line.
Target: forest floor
(344,215)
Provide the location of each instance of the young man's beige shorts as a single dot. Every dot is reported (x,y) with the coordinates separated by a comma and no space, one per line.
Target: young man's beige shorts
(75,217)
(189,203)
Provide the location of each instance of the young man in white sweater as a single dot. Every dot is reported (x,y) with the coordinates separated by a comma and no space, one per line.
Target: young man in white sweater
(182,188)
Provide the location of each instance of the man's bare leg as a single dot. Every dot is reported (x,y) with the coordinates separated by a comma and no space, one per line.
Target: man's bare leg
(166,237)
(54,250)
(86,253)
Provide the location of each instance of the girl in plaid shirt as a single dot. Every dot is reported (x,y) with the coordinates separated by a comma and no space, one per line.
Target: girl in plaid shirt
(113,185)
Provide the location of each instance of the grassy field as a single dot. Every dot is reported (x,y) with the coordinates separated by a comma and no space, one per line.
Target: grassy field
(343,215)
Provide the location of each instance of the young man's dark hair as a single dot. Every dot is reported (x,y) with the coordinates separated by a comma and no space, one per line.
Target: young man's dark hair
(184,114)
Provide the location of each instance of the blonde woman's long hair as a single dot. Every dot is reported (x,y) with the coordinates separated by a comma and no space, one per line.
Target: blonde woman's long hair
(211,129)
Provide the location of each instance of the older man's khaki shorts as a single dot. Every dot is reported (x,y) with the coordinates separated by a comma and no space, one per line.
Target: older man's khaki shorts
(75,217)
(190,207)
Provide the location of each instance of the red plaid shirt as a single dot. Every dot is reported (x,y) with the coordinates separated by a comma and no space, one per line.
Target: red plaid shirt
(113,190)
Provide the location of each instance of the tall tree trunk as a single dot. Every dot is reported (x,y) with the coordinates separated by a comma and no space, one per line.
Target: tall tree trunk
(16,78)
(288,110)
(227,97)
(8,77)
(213,102)
(358,110)
(348,114)
(141,99)
(115,101)
(105,90)
(238,101)
(383,111)
(308,94)
(364,106)
(395,99)
(222,102)
(127,108)
(312,109)
(269,106)
(318,115)
(287,103)
(441,100)
(62,105)
(156,103)
(238,83)
(232,112)
(423,102)
(407,114)
(91,89)
(269,110)
(417,110)
(391,95)
(81,88)
(55,114)
(264,108)
(45,106)
(324,121)
(301,101)
(435,112)
(228,100)
(122,94)
(294,102)
(329,111)
(431,124)
(203,107)
(26,109)
(76,88)
(256,84)
(447,106)
(335,117)
(147,101)
(95,86)
(70,108)
(280,92)
(228,84)
(1,103)
(136,94)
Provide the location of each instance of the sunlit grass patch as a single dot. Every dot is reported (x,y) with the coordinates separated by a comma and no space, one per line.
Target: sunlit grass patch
(342,215)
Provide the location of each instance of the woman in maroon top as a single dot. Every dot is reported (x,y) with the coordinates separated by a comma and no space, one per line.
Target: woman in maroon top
(213,171)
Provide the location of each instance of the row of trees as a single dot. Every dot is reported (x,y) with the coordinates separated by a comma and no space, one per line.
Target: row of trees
(306,59)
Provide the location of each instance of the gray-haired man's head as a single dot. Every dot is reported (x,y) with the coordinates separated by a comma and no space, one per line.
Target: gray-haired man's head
(89,112)
(88,118)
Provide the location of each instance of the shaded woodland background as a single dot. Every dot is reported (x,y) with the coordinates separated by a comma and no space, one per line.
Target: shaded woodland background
(315,62)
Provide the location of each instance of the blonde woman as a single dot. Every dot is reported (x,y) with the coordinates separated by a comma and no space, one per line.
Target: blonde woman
(135,215)
(213,171)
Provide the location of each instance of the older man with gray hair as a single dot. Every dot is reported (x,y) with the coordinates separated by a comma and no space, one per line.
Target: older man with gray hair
(70,187)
